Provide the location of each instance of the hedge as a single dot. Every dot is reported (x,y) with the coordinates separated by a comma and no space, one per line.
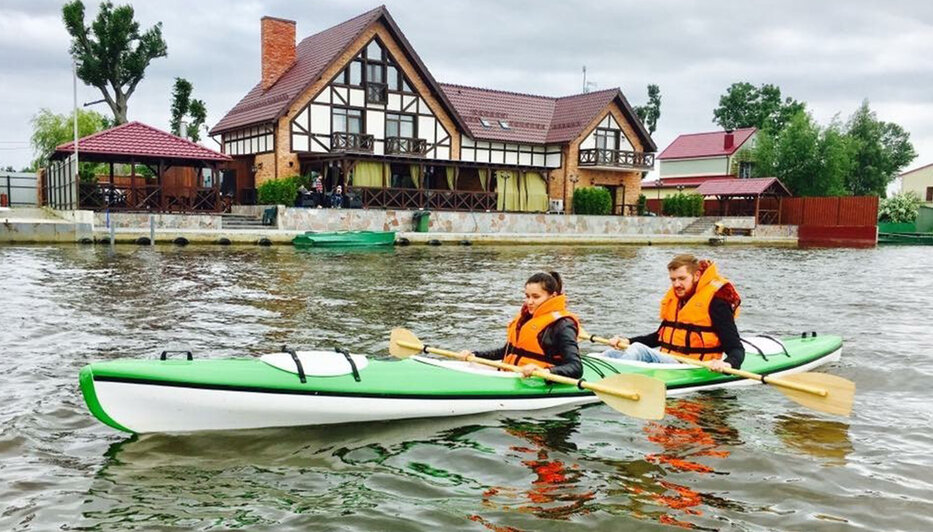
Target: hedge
(682,204)
(592,200)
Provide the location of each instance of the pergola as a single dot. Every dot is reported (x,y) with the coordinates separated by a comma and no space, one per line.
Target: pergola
(746,196)
(177,164)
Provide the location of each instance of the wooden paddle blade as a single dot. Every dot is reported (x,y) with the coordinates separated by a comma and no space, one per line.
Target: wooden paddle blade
(652,395)
(400,335)
(838,400)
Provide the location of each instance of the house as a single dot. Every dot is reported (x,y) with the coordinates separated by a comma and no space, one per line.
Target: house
(694,158)
(919,181)
(356,105)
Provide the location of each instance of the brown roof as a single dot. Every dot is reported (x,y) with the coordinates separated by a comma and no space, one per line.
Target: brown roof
(742,187)
(313,56)
(535,119)
(711,144)
(139,141)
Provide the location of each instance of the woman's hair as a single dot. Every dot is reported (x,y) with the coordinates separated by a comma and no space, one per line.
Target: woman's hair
(550,281)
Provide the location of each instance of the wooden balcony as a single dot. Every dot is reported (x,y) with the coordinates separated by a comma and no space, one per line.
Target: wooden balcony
(412,198)
(621,159)
(351,142)
(406,146)
(377,93)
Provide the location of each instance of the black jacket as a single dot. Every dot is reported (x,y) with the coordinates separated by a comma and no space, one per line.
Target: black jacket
(559,342)
(720,312)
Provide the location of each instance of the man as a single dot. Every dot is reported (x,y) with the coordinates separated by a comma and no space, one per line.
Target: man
(697,320)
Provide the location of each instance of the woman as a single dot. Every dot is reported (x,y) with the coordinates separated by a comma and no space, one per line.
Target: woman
(544,334)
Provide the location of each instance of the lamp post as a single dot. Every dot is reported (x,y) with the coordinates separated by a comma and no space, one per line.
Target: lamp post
(574,179)
(660,184)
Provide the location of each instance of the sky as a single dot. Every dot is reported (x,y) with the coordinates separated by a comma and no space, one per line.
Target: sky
(830,54)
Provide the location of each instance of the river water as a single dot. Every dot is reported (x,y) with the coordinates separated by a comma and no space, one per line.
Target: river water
(746,459)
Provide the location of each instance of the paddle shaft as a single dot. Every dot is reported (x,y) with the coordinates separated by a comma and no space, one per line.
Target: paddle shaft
(580,383)
(737,372)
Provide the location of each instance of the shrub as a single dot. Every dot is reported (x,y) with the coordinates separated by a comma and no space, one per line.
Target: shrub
(682,204)
(281,191)
(642,206)
(900,208)
(592,200)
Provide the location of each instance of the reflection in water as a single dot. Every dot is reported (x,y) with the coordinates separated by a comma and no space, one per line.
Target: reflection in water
(828,440)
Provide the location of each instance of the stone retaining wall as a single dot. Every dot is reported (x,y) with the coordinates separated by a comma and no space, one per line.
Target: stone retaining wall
(140,220)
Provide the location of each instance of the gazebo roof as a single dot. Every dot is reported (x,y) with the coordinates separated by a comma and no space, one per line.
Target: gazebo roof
(138,142)
(759,186)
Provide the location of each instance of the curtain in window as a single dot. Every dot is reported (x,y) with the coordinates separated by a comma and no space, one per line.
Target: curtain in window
(367,174)
(450,178)
(483,179)
(509,197)
(416,175)
(536,198)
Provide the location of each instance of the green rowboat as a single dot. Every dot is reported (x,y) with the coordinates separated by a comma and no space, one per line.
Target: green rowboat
(345,239)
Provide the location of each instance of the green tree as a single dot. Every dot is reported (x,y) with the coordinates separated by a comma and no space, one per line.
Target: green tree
(881,150)
(745,105)
(50,130)
(900,208)
(182,106)
(592,200)
(808,159)
(112,54)
(651,111)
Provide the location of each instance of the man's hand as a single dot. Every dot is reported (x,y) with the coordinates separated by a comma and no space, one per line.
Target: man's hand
(465,354)
(719,365)
(617,342)
(528,369)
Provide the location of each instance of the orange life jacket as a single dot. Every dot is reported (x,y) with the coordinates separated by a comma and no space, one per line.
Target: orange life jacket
(688,330)
(523,345)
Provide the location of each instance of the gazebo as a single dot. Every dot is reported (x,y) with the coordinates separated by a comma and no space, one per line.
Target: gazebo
(175,181)
(759,197)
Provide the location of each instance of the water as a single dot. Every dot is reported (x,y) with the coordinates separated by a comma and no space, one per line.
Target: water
(737,460)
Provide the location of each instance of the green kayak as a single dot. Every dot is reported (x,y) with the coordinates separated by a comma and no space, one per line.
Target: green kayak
(345,239)
(183,394)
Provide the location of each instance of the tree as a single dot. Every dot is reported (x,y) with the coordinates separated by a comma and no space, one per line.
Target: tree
(744,105)
(900,208)
(50,130)
(808,159)
(183,105)
(651,111)
(881,150)
(112,54)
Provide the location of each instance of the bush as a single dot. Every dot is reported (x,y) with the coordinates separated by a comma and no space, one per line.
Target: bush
(682,204)
(592,200)
(281,191)
(900,208)
(642,206)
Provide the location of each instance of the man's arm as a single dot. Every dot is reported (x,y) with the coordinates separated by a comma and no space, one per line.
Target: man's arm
(650,340)
(720,313)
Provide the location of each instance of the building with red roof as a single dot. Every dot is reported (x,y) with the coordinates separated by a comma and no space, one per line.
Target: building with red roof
(356,105)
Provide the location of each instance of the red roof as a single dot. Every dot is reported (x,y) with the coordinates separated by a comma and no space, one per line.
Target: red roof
(135,139)
(742,187)
(682,181)
(705,144)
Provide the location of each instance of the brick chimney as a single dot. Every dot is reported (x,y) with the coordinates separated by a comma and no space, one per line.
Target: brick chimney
(728,141)
(278,49)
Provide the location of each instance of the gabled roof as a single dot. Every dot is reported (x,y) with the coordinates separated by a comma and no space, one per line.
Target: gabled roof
(313,56)
(535,119)
(743,187)
(140,141)
(690,181)
(908,172)
(708,144)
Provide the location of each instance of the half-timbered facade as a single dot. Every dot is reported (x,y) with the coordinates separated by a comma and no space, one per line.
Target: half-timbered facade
(356,105)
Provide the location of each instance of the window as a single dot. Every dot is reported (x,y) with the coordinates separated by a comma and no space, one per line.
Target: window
(374,51)
(392,78)
(929,193)
(405,86)
(375,73)
(503,124)
(607,139)
(348,120)
(745,169)
(485,122)
(356,74)
(400,125)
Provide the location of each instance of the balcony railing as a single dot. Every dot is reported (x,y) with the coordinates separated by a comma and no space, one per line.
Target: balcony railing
(377,93)
(616,158)
(150,198)
(413,198)
(405,146)
(351,142)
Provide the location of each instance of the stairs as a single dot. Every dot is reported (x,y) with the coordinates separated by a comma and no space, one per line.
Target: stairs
(701,226)
(242,222)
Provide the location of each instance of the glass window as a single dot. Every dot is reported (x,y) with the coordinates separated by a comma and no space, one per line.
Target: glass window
(405,86)
(356,73)
(348,120)
(392,78)
(484,122)
(400,125)
(374,51)
(503,124)
(606,139)
(375,73)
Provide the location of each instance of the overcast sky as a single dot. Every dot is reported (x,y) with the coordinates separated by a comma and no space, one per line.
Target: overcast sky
(829,54)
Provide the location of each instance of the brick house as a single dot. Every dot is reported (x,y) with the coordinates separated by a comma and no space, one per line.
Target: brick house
(356,105)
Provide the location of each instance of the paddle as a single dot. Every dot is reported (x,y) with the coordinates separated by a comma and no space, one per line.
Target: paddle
(635,395)
(819,391)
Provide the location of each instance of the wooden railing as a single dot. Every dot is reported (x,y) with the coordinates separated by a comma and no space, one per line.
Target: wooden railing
(152,198)
(377,92)
(405,146)
(412,198)
(616,158)
(351,142)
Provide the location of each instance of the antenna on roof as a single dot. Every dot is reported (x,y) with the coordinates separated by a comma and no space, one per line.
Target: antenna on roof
(587,84)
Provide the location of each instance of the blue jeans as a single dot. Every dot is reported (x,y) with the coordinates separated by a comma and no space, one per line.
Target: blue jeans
(642,353)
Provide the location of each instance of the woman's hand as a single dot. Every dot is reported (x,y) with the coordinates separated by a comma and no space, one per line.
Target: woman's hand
(466,354)
(528,369)
(617,342)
